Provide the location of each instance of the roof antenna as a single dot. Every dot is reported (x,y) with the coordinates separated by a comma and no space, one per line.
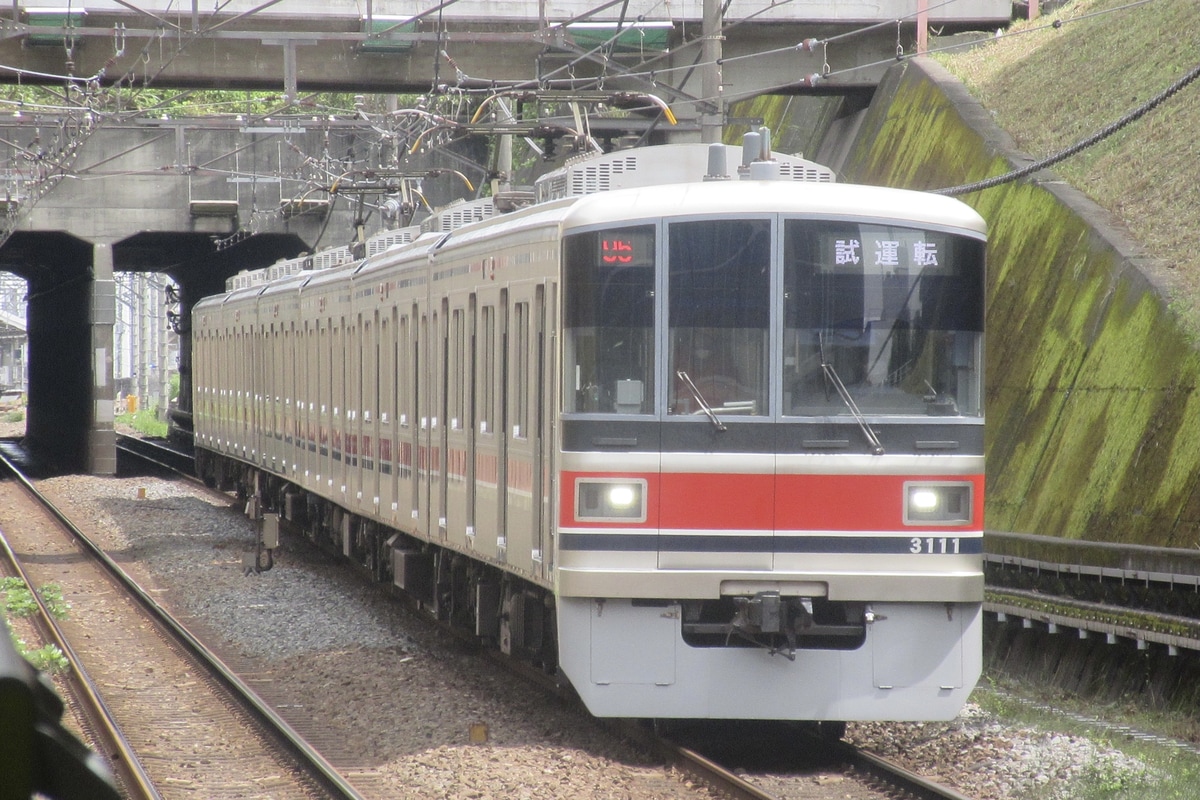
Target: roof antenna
(751,148)
(718,170)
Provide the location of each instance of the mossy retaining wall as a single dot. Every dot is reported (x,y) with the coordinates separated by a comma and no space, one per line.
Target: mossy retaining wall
(1093,414)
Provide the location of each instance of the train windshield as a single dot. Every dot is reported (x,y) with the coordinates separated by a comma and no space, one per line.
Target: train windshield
(886,318)
(872,319)
(609,280)
(718,317)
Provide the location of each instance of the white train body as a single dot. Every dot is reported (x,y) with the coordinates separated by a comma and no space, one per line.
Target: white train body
(711,449)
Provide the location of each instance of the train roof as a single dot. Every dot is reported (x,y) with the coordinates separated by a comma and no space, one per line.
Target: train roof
(749,197)
(288,283)
(324,276)
(621,196)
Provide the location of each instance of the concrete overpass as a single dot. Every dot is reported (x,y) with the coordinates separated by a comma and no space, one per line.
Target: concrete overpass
(404,46)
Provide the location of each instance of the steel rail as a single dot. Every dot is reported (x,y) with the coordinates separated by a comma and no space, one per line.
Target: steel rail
(320,769)
(158,453)
(711,773)
(1137,562)
(909,783)
(118,753)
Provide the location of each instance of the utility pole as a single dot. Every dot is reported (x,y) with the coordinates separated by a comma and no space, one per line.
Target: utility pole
(164,350)
(712,123)
(142,340)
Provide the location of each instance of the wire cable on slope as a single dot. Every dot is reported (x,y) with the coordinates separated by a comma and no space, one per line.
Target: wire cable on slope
(1079,146)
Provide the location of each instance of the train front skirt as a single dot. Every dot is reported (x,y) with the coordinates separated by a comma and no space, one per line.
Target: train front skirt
(918,661)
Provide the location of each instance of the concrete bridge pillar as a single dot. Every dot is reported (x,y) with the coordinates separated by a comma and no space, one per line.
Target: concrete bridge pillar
(60,310)
(70,314)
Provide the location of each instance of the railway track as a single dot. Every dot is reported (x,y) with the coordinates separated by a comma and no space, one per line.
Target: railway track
(880,776)
(1086,570)
(168,689)
(96,776)
(157,453)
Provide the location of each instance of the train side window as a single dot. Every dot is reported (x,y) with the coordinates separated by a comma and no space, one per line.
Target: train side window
(456,377)
(520,371)
(487,369)
(608,321)
(403,374)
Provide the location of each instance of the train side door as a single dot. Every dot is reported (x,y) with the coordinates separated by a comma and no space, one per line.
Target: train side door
(247,385)
(352,496)
(337,425)
(291,379)
(424,420)
(306,400)
(388,410)
(489,428)
(456,428)
(299,391)
(408,349)
(471,419)
(252,417)
(439,364)
(369,455)
(544,426)
(322,381)
(523,479)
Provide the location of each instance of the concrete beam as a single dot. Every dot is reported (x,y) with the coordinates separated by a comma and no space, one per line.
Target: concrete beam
(308,45)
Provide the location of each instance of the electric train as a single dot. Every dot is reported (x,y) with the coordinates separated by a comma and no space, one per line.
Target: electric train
(705,445)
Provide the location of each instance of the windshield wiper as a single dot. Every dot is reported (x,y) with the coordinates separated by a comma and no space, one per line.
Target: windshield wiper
(844,393)
(683,376)
(938,404)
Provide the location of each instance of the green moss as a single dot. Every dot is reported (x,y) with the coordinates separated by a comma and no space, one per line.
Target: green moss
(1091,394)
(1126,619)
(797,123)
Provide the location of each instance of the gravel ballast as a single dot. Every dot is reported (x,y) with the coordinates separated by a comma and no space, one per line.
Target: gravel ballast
(394,700)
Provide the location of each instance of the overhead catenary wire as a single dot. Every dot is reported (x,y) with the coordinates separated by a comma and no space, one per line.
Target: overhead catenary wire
(812,44)
(186,38)
(93,116)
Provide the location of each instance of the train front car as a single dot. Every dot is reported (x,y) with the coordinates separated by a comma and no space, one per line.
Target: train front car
(771,470)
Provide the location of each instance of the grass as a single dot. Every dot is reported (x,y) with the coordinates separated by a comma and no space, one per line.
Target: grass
(146,421)
(1050,87)
(19,602)
(1151,769)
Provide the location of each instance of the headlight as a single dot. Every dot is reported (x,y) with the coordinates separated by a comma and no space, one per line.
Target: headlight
(610,500)
(937,503)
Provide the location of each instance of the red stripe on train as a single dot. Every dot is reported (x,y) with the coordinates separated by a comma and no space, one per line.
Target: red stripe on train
(703,501)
